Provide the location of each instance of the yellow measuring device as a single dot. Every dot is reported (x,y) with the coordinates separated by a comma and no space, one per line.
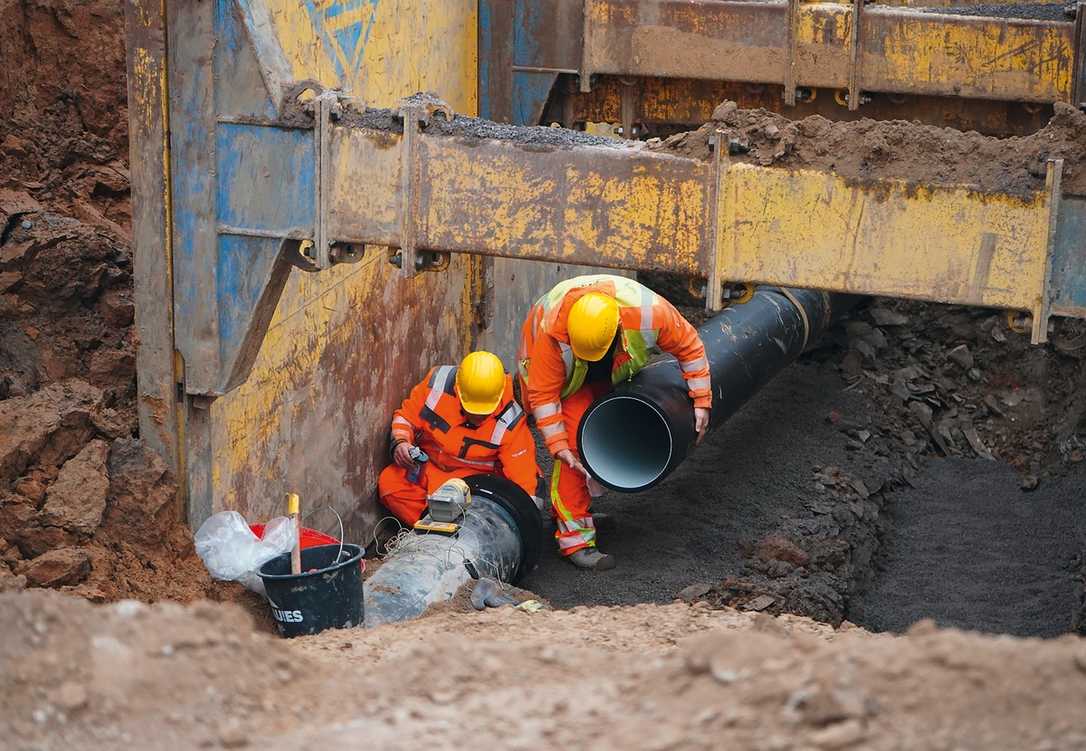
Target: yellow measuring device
(442,528)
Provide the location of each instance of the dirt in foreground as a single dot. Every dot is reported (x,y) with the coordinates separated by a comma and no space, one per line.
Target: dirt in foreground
(74,675)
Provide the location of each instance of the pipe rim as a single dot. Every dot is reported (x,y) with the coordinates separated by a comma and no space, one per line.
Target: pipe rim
(660,474)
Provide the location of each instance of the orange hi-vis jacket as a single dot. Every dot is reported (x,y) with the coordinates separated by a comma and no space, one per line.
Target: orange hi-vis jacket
(550,372)
(431,418)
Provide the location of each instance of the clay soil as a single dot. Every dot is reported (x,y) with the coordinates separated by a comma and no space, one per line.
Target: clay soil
(75,675)
(923,461)
(83,506)
(869,149)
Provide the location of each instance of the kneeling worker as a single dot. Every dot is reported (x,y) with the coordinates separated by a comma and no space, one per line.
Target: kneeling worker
(579,339)
(466,421)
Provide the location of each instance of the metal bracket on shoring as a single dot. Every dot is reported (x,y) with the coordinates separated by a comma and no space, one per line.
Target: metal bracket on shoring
(717,175)
(1053,193)
(416,111)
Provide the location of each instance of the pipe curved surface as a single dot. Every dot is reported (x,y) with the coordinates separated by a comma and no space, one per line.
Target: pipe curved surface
(633,437)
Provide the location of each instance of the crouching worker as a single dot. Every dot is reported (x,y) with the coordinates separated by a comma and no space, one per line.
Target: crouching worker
(581,338)
(466,422)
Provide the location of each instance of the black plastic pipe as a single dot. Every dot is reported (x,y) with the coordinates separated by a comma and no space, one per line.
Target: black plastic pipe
(633,437)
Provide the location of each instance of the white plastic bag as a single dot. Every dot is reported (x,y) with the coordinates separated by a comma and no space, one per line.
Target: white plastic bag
(231,552)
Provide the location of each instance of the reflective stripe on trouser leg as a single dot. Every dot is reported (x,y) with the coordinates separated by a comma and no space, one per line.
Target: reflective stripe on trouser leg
(569,491)
(574,530)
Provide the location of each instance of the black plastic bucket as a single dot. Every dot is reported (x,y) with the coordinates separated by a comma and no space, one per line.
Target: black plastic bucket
(329,597)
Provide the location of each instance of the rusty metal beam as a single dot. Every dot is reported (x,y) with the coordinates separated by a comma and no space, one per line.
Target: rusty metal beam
(899,50)
(148,125)
(624,207)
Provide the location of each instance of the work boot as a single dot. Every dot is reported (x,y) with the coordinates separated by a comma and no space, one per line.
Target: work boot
(592,559)
(602,521)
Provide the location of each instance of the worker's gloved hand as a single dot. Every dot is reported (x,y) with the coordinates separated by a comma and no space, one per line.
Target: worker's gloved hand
(567,456)
(488,593)
(701,422)
(402,454)
(595,490)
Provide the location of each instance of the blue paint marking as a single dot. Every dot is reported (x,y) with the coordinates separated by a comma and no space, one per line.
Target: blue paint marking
(232,48)
(526,28)
(530,93)
(486,44)
(1069,255)
(243,268)
(344,39)
(265,177)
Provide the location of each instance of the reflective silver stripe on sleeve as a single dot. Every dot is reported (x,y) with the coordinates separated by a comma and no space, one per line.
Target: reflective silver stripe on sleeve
(438,387)
(693,366)
(697,384)
(549,431)
(567,357)
(647,298)
(543,411)
(502,423)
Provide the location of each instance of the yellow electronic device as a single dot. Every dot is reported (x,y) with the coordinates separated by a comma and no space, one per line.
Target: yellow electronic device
(441,528)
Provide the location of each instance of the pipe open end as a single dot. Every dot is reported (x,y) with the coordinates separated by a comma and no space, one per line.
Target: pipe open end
(626,443)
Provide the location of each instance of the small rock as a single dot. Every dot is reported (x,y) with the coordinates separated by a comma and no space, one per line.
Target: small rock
(694,591)
(232,735)
(777,547)
(55,568)
(77,500)
(725,112)
(771,131)
(865,349)
(961,356)
(974,375)
(70,696)
(760,603)
(1029,483)
(839,735)
(887,317)
(922,413)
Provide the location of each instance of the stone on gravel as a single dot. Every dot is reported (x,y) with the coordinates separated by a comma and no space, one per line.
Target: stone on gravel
(886,317)
(961,356)
(77,500)
(694,591)
(777,547)
(57,568)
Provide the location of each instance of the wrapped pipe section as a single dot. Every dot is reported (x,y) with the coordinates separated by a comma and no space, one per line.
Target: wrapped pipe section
(635,436)
(500,537)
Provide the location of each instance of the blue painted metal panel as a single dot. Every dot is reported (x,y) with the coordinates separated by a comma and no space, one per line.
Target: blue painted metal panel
(1069,255)
(266,178)
(530,93)
(486,44)
(243,270)
(241,90)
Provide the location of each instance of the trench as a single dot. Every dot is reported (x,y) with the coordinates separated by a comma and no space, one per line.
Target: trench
(964,545)
(968,548)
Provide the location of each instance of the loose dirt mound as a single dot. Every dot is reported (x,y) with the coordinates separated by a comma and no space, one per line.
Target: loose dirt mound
(74,675)
(82,504)
(869,149)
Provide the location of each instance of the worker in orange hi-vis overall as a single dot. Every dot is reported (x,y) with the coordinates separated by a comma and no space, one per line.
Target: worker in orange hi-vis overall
(585,335)
(466,421)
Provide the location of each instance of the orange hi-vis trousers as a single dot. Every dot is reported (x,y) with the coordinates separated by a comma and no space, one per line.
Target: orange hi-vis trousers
(406,499)
(570,499)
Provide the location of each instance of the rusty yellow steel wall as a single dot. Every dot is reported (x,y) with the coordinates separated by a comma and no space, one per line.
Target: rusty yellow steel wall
(345,344)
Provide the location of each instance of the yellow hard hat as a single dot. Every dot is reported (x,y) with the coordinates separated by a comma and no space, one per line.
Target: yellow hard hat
(593,321)
(480,383)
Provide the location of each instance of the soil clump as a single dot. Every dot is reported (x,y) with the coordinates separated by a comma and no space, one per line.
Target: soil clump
(875,149)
